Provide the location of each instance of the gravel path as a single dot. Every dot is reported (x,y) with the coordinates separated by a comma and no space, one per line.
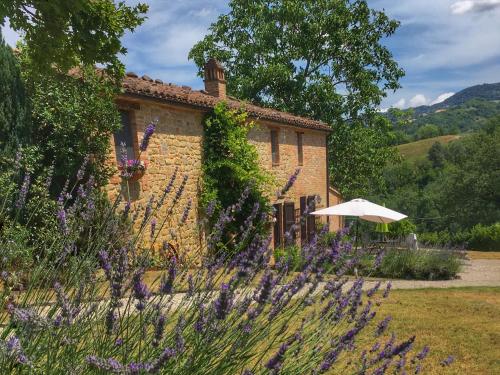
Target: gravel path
(478,272)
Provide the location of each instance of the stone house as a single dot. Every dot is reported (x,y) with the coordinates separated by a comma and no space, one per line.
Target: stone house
(284,142)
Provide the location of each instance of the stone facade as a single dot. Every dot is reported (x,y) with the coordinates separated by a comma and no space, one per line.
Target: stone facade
(177,144)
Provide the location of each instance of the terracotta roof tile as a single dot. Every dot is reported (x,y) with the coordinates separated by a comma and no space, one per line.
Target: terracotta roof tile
(156,89)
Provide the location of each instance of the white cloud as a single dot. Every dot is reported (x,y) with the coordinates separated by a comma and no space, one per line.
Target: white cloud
(418,100)
(401,103)
(442,98)
(477,6)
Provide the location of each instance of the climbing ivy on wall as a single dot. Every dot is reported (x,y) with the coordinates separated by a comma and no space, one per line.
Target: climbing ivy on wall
(231,170)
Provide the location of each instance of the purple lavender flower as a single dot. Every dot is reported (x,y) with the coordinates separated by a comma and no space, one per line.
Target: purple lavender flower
(190,291)
(159,328)
(180,342)
(141,292)
(110,364)
(423,353)
(105,263)
(265,288)
(289,183)
(61,215)
(110,320)
(23,192)
(81,171)
(126,209)
(373,290)
(202,320)
(186,211)
(168,188)
(167,283)
(148,133)
(15,351)
(223,304)
(161,360)
(379,259)
(17,160)
(448,361)
(153,228)
(387,289)
(330,359)
(382,326)
(210,208)
(274,364)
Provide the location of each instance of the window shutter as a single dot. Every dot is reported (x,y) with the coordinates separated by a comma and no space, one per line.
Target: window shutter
(277,225)
(303,220)
(289,221)
(311,220)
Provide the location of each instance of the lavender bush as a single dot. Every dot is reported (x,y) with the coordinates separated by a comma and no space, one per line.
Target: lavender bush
(90,308)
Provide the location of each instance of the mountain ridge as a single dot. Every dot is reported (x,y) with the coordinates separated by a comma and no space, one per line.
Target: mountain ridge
(484,91)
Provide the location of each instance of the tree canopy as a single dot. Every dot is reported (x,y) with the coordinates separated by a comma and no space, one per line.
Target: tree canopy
(14,108)
(322,59)
(64,33)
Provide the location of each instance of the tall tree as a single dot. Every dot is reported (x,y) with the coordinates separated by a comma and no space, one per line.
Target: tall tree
(319,58)
(14,109)
(67,32)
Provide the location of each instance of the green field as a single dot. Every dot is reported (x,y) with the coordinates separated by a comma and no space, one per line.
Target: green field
(418,150)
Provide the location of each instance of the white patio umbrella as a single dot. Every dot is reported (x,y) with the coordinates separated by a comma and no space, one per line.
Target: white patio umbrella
(363,209)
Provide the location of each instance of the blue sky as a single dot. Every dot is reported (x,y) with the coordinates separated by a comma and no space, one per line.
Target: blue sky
(443,45)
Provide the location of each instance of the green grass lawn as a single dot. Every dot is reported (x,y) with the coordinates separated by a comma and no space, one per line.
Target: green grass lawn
(417,150)
(464,322)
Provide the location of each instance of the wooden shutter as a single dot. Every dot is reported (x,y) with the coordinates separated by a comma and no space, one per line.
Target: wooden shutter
(289,221)
(311,220)
(303,223)
(278,214)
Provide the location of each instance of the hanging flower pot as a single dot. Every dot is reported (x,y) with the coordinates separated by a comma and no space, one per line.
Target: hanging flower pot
(133,170)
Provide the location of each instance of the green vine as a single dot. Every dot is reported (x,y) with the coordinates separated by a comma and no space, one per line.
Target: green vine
(230,165)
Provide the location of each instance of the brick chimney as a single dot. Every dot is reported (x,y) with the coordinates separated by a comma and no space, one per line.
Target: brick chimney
(215,83)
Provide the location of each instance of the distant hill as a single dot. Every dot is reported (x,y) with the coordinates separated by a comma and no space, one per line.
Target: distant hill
(417,150)
(465,111)
(486,91)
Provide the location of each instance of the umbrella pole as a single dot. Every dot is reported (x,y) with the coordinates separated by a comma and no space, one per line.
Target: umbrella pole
(357,231)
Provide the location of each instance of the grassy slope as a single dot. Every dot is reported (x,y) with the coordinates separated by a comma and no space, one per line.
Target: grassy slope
(460,321)
(417,150)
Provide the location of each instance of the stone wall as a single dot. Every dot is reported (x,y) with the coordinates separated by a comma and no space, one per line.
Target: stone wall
(177,142)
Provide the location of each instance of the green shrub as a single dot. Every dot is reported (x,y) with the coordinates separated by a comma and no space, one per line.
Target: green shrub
(230,167)
(420,264)
(485,237)
(292,255)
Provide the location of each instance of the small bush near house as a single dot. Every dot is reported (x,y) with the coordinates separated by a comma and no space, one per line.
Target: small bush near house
(486,238)
(480,237)
(420,264)
(291,255)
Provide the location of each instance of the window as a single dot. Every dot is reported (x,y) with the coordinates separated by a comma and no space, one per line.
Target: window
(300,151)
(125,135)
(275,147)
